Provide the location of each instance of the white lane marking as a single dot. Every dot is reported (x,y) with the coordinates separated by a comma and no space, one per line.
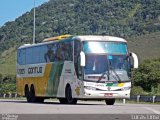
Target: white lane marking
(153,110)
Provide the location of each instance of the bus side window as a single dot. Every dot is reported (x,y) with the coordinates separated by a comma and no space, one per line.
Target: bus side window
(43,51)
(77,49)
(29,55)
(19,61)
(49,54)
(67,51)
(23,56)
(35,55)
(64,51)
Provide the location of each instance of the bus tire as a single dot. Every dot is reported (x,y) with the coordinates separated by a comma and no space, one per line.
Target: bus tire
(33,98)
(27,93)
(32,94)
(110,101)
(62,100)
(68,94)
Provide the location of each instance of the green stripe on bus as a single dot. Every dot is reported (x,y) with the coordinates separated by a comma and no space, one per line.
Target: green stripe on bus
(109,84)
(54,79)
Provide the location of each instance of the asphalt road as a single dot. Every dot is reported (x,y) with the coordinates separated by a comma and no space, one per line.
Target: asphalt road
(83,109)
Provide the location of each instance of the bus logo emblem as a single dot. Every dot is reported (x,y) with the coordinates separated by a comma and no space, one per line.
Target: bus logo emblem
(108,88)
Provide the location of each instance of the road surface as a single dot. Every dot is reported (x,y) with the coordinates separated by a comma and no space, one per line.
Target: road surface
(82,108)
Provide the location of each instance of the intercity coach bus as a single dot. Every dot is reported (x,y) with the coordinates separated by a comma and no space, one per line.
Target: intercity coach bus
(73,68)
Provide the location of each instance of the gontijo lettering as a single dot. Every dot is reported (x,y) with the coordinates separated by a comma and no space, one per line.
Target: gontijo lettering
(34,70)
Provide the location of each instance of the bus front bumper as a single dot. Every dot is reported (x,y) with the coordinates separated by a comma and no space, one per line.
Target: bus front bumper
(91,94)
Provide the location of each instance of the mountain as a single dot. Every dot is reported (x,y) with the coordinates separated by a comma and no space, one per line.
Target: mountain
(145,46)
(138,21)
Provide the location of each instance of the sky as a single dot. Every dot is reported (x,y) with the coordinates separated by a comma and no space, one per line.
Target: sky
(12,9)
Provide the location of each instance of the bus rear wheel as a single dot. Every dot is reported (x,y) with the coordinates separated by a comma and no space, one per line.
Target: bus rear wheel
(33,98)
(27,94)
(110,101)
(32,94)
(68,94)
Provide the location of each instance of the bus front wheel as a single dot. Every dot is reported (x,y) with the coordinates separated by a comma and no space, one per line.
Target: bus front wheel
(110,101)
(68,94)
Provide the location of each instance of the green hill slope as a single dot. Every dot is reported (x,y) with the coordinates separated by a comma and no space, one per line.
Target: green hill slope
(8,61)
(146,46)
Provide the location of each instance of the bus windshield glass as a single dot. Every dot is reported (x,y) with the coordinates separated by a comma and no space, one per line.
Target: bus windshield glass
(105,47)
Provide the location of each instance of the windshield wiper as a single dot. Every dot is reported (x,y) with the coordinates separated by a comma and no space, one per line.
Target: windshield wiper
(117,76)
(105,73)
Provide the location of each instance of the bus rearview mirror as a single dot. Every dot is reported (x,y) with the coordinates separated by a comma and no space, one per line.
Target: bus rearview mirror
(135,60)
(82,59)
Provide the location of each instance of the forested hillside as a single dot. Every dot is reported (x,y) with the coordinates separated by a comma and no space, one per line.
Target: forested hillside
(145,46)
(124,18)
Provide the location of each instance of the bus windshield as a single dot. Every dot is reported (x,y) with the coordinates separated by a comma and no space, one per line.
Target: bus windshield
(112,64)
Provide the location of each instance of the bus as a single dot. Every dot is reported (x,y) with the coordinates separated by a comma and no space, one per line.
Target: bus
(71,68)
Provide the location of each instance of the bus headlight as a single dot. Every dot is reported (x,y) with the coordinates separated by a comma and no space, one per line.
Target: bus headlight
(126,88)
(90,88)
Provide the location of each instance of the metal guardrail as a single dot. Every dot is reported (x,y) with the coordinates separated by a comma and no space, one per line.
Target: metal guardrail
(14,95)
(145,98)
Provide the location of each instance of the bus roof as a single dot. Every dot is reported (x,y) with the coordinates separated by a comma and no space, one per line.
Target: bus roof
(100,38)
(81,38)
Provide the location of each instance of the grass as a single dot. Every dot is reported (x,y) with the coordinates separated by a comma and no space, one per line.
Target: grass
(146,46)
(8,62)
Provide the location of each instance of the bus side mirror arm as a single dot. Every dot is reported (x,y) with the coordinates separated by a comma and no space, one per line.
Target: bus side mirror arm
(82,59)
(135,60)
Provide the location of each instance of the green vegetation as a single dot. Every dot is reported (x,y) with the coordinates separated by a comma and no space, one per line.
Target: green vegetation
(7,84)
(136,20)
(147,78)
(8,62)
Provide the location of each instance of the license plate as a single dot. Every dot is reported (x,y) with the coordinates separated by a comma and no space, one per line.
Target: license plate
(108,94)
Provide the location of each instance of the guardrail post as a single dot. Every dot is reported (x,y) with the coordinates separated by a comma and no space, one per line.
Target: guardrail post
(16,95)
(124,101)
(138,97)
(4,96)
(154,98)
(10,95)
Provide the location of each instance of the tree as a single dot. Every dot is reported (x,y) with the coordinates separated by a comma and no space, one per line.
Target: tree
(147,75)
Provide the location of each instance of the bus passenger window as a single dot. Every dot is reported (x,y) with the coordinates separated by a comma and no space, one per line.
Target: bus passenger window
(49,56)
